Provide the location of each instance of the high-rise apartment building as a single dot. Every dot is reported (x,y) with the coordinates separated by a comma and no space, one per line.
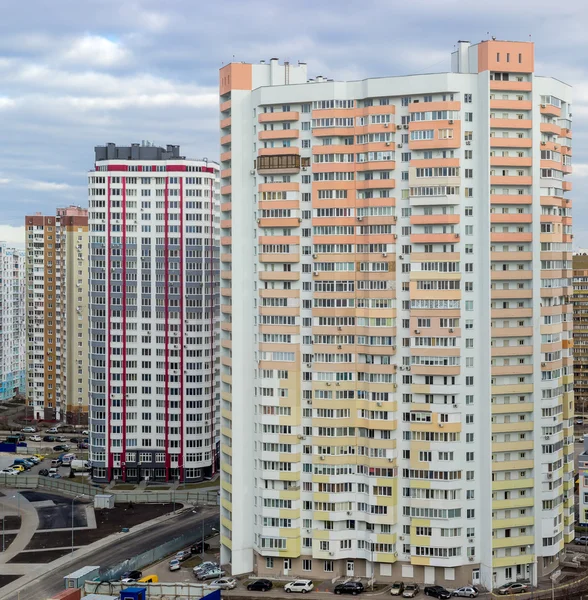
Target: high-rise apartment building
(396,376)
(580,264)
(56,314)
(12,322)
(154,296)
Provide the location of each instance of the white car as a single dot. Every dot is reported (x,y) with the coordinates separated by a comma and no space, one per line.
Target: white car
(226,583)
(212,574)
(9,471)
(28,430)
(85,432)
(174,565)
(300,585)
(203,566)
(35,438)
(33,459)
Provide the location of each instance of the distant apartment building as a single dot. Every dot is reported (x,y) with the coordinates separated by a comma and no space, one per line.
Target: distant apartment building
(154,298)
(580,299)
(396,330)
(12,322)
(57,315)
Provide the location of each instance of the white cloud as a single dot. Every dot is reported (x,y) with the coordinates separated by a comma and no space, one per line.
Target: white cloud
(95,51)
(580,170)
(13,235)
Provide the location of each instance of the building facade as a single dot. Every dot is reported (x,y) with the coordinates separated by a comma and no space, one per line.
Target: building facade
(12,319)
(154,295)
(56,315)
(583,483)
(396,377)
(580,264)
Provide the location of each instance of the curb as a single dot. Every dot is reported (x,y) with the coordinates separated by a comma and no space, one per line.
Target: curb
(20,585)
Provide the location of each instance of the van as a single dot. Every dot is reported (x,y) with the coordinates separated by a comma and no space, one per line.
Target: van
(22,461)
(56,462)
(79,465)
(148,579)
(66,459)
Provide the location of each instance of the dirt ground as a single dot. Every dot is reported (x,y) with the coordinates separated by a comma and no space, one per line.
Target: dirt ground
(107,522)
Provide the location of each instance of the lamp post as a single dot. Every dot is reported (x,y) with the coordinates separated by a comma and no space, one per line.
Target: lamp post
(211,529)
(72,520)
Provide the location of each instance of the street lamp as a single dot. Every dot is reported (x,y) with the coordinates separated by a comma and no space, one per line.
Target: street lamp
(72,520)
(211,529)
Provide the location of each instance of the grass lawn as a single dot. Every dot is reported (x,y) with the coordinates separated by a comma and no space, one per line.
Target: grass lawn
(195,486)
(157,487)
(192,562)
(125,486)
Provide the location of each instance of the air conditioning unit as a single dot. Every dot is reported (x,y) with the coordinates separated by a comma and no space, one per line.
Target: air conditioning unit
(337,383)
(384,254)
(339,328)
(543,143)
(349,512)
(309,365)
(399,145)
(468,143)
(549,475)
(406,127)
(402,368)
(544,106)
(315,273)
(301,437)
(387,143)
(386,125)
(299,220)
(378,404)
(441,425)
(309,402)
(315,256)
(339,347)
(252,172)
(417,331)
(390,460)
(450,330)
(395,236)
(398,126)
(542,364)
(331,554)
(450,121)
(328,384)
(471,559)
(322,457)
(471,540)
(360,218)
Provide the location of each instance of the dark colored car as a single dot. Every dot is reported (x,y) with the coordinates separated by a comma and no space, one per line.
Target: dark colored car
(260,585)
(130,576)
(197,548)
(74,440)
(82,445)
(44,472)
(437,591)
(49,438)
(349,587)
(61,448)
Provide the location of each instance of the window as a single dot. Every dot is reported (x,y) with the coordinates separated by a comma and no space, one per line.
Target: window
(307,564)
(269,562)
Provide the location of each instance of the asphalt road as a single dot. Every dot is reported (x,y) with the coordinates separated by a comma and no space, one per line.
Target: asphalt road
(115,553)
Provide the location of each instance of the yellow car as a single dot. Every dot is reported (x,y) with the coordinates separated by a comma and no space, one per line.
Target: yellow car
(18,468)
(39,456)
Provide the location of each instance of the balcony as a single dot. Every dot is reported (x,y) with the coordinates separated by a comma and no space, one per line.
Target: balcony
(280,163)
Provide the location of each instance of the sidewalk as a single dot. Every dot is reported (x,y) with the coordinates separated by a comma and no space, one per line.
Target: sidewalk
(15,503)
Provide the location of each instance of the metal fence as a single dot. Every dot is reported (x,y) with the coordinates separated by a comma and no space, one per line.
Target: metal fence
(149,557)
(67,486)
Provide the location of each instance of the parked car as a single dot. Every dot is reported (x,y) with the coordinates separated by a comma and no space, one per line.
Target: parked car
(174,564)
(9,471)
(39,456)
(469,591)
(61,448)
(130,576)
(410,590)
(85,432)
(581,540)
(226,583)
(183,555)
(260,585)
(197,547)
(437,591)
(61,438)
(349,587)
(82,445)
(210,574)
(397,588)
(35,438)
(52,430)
(512,588)
(579,421)
(206,565)
(18,468)
(44,472)
(74,440)
(28,430)
(300,585)
(55,475)
(49,438)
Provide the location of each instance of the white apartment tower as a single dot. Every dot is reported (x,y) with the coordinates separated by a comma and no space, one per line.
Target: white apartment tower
(396,332)
(12,322)
(154,295)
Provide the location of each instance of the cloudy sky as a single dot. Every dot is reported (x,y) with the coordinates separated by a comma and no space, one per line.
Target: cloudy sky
(75,74)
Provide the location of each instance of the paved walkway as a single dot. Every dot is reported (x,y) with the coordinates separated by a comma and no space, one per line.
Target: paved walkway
(14,503)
